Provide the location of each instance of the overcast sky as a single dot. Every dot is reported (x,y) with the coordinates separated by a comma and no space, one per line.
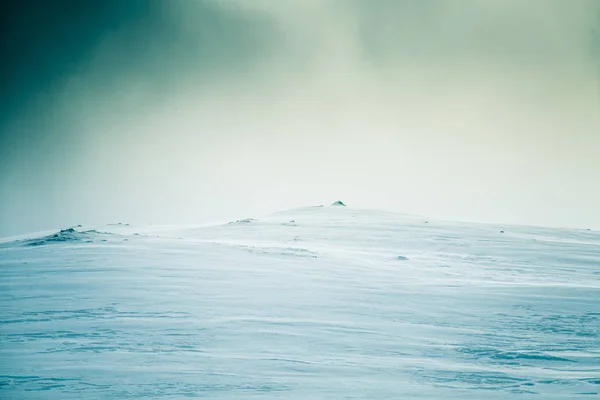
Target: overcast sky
(192,111)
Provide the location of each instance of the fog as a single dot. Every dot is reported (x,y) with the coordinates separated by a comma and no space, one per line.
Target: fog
(197,111)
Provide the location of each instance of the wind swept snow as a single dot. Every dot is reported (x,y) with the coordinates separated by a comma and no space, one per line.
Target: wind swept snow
(310,303)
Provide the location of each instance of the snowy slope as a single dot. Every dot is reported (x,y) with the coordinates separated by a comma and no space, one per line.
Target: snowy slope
(314,303)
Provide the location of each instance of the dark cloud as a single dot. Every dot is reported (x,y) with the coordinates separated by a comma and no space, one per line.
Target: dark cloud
(44,43)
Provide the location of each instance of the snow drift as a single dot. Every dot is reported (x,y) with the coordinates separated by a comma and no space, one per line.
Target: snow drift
(315,302)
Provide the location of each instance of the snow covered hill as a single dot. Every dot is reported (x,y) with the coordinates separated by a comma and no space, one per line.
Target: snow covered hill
(313,303)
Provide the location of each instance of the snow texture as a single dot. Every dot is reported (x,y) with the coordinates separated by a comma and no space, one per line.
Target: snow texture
(312,303)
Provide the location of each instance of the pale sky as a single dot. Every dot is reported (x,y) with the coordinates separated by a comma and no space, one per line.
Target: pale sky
(197,111)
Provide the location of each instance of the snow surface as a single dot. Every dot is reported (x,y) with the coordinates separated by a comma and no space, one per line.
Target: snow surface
(312,303)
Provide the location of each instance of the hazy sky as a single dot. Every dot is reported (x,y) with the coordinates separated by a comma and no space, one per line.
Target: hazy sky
(190,111)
